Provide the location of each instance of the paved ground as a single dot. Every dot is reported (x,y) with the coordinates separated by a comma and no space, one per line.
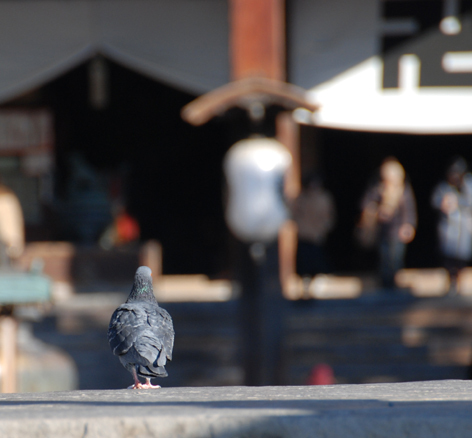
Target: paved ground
(372,339)
(415,409)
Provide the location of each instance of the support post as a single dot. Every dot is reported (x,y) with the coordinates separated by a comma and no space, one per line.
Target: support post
(257,39)
(288,133)
(261,314)
(9,336)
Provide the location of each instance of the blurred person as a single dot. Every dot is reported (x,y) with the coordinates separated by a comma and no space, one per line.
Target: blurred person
(388,219)
(452,198)
(314,213)
(85,210)
(12,227)
(122,231)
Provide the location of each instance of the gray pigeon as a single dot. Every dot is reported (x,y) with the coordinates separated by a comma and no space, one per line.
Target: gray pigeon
(141,333)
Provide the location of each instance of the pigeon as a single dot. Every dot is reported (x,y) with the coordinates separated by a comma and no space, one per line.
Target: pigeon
(141,332)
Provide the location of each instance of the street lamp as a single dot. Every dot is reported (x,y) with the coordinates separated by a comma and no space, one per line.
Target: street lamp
(255,210)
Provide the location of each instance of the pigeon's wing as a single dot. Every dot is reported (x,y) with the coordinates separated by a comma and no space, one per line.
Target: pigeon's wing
(160,332)
(122,331)
(167,328)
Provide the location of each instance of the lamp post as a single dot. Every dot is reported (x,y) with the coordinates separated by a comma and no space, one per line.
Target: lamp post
(255,210)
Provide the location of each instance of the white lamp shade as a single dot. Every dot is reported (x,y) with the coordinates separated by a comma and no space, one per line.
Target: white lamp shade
(254,170)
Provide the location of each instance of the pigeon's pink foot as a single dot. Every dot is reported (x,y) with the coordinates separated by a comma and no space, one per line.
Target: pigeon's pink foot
(149,385)
(137,383)
(146,386)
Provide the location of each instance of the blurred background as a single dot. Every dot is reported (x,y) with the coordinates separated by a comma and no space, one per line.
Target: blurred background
(109,175)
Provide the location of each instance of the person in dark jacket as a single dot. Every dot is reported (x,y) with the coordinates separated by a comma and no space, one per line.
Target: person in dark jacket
(452,198)
(389,218)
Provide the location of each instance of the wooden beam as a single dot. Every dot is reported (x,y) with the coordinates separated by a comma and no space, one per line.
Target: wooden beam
(243,94)
(257,39)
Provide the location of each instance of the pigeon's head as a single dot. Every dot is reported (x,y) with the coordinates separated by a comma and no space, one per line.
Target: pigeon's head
(143,272)
(142,286)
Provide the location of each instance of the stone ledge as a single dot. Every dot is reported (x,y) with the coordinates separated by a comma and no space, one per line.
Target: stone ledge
(416,409)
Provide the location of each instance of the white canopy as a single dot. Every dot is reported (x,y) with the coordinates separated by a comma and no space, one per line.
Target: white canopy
(181,42)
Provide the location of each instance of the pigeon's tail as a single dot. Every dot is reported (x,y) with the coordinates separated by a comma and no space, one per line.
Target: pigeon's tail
(150,371)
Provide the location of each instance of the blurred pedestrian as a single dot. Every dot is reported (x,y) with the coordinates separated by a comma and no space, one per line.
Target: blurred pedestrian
(314,213)
(12,227)
(452,198)
(388,219)
(123,230)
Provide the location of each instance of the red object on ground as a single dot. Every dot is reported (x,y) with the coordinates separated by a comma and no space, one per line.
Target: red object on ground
(321,374)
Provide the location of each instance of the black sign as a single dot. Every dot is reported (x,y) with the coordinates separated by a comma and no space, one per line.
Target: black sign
(429,30)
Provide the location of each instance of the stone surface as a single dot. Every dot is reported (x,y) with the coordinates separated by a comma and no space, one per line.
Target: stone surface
(373,339)
(417,409)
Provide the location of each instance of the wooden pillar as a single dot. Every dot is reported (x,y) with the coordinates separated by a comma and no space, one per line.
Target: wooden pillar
(151,255)
(288,133)
(257,50)
(257,39)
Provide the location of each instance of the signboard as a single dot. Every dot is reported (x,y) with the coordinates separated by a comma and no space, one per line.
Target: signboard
(25,131)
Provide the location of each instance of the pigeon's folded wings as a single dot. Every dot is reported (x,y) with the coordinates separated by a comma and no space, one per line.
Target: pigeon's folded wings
(167,332)
(149,347)
(122,330)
